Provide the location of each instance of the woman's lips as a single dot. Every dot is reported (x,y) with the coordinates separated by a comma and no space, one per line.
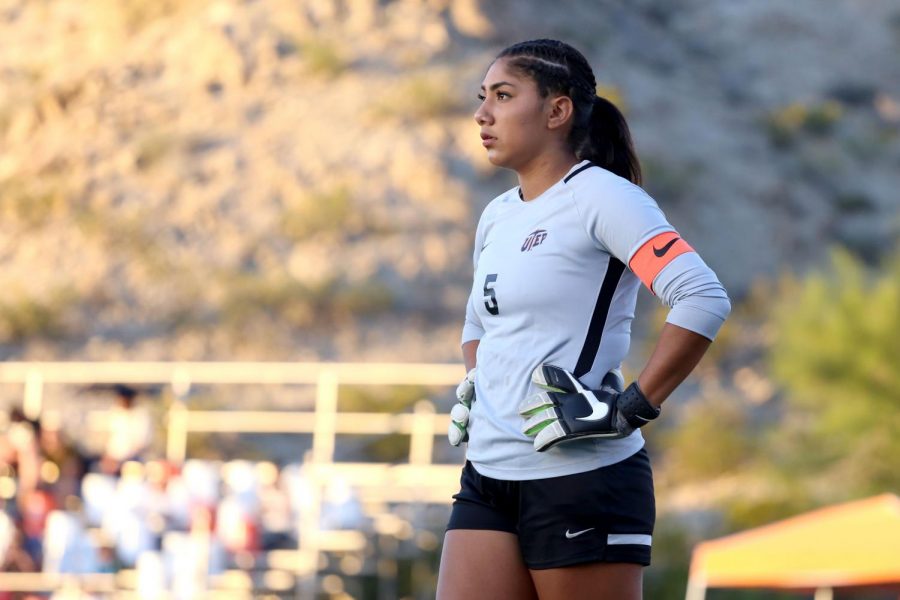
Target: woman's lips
(487,140)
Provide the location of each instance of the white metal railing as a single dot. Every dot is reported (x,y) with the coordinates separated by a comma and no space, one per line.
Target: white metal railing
(324,422)
(418,480)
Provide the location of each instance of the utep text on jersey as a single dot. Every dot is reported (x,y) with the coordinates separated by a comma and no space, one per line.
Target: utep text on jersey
(534,238)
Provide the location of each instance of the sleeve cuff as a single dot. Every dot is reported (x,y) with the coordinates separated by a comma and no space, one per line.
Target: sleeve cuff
(700,320)
(471,332)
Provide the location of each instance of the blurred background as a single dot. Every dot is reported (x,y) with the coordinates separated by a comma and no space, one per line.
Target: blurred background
(299,181)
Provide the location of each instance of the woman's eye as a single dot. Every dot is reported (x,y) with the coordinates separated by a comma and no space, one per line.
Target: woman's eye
(502,95)
(481,97)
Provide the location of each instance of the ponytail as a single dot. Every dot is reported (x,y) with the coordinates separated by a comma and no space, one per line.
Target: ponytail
(608,142)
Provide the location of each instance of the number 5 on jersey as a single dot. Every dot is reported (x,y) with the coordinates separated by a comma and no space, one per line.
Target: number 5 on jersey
(490,294)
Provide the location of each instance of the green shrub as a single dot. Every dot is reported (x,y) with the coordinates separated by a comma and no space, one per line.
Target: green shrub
(821,118)
(329,211)
(667,180)
(785,125)
(853,202)
(387,448)
(32,203)
(130,234)
(152,149)
(420,97)
(388,399)
(366,298)
(323,56)
(835,354)
(614,94)
(24,317)
(298,305)
(712,440)
(139,14)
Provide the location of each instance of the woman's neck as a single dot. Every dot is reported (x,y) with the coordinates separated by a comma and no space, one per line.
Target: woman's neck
(543,172)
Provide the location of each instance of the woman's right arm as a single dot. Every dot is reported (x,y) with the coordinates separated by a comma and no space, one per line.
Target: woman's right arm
(473,328)
(469,349)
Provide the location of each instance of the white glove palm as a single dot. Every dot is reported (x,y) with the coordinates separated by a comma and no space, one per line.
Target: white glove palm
(458,431)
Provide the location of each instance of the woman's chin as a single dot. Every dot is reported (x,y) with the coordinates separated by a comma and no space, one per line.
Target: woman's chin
(496,159)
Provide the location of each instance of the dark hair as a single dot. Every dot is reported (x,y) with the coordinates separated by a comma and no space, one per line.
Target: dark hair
(599,132)
(124,391)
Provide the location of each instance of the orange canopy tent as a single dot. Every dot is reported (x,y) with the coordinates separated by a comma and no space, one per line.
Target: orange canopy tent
(847,545)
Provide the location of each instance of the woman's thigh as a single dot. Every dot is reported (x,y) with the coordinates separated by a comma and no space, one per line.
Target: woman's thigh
(481,563)
(591,581)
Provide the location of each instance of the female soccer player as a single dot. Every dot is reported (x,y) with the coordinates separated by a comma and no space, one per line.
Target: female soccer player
(556,498)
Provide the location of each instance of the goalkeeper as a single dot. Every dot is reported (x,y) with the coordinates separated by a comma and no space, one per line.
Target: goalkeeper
(556,496)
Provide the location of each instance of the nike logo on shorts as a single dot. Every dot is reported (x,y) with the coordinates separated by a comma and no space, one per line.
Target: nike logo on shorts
(577,533)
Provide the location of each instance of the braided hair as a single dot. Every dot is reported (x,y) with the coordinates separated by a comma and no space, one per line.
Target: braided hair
(599,131)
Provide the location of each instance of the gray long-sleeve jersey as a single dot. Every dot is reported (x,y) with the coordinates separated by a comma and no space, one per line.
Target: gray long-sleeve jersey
(556,280)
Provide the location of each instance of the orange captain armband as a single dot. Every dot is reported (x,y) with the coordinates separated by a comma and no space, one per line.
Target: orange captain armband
(654,255)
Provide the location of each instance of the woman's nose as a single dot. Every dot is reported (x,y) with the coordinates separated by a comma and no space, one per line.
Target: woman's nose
(482,116)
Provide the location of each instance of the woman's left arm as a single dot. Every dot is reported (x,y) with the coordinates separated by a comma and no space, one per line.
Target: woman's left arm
(677,352)
(558,413)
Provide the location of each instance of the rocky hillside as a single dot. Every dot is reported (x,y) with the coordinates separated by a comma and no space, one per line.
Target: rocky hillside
(299,179)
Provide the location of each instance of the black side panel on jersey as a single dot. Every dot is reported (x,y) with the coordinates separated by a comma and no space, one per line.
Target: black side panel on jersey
(598,319)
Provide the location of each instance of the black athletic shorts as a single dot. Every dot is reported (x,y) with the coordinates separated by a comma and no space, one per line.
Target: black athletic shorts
(604,515)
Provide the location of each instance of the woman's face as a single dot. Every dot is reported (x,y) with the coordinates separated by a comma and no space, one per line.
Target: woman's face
(512,116)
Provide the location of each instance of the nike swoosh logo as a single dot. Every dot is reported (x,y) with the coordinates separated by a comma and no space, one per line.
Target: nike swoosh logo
(598,409)
(660,252)
(577,533)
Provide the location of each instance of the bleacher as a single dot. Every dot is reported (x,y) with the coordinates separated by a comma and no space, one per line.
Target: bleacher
(176,526)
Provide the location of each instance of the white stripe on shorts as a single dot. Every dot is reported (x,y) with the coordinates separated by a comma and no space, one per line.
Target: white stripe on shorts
(618,539)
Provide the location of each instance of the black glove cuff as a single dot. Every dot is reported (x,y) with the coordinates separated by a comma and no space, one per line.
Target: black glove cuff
(634,406)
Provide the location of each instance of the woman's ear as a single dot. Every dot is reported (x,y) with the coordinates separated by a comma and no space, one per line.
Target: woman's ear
(559,111)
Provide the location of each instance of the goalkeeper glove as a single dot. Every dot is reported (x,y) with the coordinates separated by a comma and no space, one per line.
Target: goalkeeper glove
(567,410)
(459,414)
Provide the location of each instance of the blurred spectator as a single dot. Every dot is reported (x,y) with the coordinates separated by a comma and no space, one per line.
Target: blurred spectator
(157,475)
(127,519)
(174,525)
(151,576)
(189,557)
(341,508)
(202,480)
(98,492)
(63,465)
(35,506)
(13,557)
(133,537)
(237,519)
(237,527)
(67,546)
(277,523)
(178,503)
(130,431)
(19,449)
(7,535)
(106,558)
